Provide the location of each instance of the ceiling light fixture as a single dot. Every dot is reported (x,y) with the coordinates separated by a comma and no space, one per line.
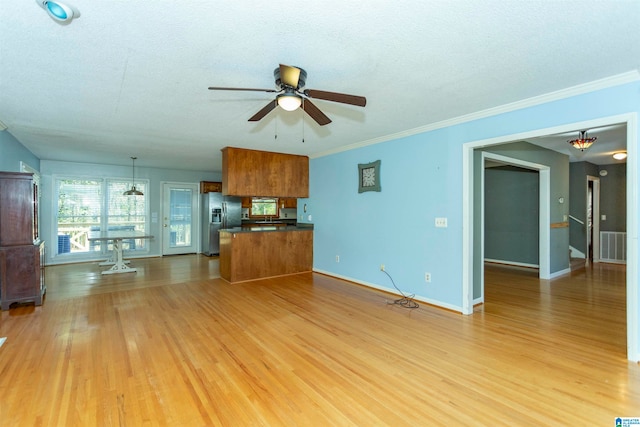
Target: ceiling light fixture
(583,141)
(289,101)
(61,12)
(133,191)
(620,156)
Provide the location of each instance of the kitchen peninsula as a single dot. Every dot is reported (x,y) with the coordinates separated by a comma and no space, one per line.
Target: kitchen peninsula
(259,251)
(250,253)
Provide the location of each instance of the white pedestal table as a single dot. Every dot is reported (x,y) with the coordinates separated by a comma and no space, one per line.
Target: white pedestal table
(118,264)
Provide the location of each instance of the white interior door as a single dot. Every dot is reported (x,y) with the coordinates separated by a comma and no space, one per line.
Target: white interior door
(180,220)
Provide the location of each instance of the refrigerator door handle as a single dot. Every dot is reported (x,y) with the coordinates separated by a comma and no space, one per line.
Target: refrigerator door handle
(224,214)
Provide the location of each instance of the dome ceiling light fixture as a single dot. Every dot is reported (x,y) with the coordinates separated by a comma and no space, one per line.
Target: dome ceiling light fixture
(289,100)
(620,155)
(60,12)
(583,141)
(133,191)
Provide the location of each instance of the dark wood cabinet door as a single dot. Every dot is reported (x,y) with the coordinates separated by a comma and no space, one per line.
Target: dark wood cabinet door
(20,275)
(289,202)
(17,207)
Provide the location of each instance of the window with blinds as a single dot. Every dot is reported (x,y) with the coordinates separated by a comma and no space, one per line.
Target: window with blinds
(86,205)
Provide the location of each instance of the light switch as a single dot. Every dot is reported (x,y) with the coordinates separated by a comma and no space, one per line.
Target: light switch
(603,217)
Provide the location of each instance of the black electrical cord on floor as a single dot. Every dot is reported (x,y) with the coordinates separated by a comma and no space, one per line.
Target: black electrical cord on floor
(406,301)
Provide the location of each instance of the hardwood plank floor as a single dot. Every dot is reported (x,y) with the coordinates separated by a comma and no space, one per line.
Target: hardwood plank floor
(174,345)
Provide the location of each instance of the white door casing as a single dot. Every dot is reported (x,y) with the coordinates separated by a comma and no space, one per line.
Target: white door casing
(633,212)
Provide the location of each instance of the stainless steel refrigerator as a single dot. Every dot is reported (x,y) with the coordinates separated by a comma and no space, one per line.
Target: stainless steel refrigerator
(218,212)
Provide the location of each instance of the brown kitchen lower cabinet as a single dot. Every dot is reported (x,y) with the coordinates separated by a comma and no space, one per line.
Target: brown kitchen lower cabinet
(251,255)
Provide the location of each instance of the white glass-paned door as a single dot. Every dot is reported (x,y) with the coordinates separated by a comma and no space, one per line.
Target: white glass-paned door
(180,219)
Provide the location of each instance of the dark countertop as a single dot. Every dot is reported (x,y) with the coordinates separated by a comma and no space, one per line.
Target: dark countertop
(254,229)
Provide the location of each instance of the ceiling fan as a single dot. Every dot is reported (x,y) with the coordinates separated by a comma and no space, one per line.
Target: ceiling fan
(290,82)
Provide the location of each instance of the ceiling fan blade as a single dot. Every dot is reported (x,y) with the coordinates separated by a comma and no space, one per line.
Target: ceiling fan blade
(315,113)
(265,110)
(344,98)
(289,76)
(243,88)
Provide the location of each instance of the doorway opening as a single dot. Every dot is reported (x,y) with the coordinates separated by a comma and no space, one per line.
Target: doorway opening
(472,271)
(543,219)
(593,220)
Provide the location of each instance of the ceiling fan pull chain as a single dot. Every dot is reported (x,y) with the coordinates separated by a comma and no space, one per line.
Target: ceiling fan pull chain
(302,116)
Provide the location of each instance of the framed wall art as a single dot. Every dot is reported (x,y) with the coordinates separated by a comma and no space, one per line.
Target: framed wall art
(369,176)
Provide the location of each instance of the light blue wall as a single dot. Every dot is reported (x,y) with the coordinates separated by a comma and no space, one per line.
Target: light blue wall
(50,169)
(421,178)
(12,152)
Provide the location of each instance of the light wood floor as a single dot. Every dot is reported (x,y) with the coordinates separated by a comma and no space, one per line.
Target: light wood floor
(173,345)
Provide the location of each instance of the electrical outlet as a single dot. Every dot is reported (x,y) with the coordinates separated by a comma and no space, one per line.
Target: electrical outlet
(441,222)
(381,267)
(427,277)
(337,258)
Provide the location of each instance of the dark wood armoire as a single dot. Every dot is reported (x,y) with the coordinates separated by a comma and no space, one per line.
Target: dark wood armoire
(21,250)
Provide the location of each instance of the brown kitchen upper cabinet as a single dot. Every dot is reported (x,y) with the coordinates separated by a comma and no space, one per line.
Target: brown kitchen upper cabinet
(246,202)
(264,173)
(210,187)
(289,202)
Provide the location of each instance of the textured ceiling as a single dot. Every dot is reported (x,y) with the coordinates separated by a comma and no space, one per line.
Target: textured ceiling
(130,78)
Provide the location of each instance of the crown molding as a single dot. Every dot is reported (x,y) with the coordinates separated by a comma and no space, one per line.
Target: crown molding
(619,79)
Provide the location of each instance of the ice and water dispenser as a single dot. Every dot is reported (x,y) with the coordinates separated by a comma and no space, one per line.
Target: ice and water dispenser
(216,215)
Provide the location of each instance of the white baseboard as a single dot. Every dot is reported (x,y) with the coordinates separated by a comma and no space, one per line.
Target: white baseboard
(560,273)
(392,291)
(517,264)
(57,261)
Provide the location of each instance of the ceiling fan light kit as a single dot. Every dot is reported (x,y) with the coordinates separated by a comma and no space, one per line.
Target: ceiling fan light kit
(289,101)
(60,12)
(583,141)
(290,81)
